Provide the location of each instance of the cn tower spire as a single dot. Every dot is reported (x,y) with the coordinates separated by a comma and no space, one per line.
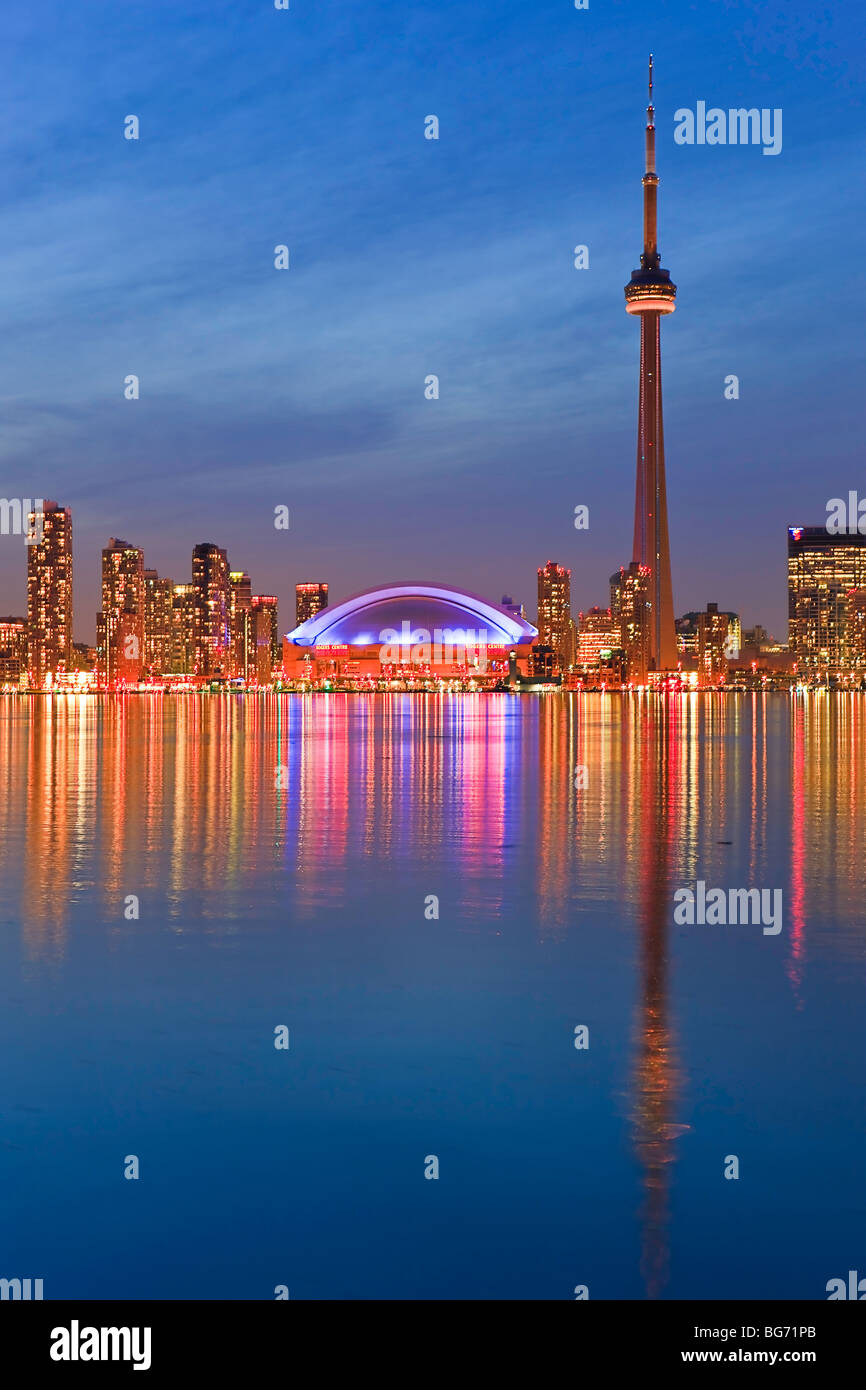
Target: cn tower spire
(649,294)
(650,178)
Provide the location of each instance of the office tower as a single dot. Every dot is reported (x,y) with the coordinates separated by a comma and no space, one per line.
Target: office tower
(266,637)
(822,570)
(650,294)
(240,630)
(183,629)
(712,644)
(120,624)
(49,594)
(310,599)
(158,596)
(210,579)
(597,632)
(630,609)
(13,650)
(554,613)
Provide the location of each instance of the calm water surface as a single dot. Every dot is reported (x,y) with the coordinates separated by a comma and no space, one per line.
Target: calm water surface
(283,848)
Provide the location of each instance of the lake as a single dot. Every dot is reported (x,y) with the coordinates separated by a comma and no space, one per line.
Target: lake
(461,909)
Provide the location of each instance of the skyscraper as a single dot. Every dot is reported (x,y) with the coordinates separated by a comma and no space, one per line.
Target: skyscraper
(822,570)
(266,637)
(120,625)
(158,594)
(310,599)
(210,580)
(183,629)
(649,294)
(630,609)
(554,613)
(49,594)
(240,631)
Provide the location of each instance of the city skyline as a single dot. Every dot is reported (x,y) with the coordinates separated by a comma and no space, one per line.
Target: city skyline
(431,731)
(84,625)
(214,628)
(258,386)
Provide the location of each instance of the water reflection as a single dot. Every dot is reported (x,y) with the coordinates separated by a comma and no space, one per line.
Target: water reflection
(223,808)
(660,792)
(194,791)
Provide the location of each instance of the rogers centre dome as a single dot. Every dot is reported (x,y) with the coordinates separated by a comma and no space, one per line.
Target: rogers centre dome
(410,633)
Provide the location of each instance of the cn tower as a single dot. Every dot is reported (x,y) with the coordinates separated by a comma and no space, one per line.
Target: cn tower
(651,293)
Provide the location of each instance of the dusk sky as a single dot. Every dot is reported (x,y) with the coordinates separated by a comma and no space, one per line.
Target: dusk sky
(410,257)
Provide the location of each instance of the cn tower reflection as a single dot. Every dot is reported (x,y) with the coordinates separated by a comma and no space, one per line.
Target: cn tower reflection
(657,767)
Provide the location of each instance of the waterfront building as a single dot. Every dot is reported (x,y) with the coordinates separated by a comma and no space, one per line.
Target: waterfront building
(158,596)
(240,629)
(823,569)
(266,642)
(183,630)
(120,623)
(210,581)
(631,611)
(554,613)
(49,594)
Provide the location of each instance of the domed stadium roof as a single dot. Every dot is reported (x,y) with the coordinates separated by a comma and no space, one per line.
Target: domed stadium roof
(371,617)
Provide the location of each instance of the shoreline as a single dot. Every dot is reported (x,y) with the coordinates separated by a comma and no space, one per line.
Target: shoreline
(535,691)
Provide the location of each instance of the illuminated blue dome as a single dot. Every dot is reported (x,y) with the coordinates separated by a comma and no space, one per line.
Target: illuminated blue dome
(368,619)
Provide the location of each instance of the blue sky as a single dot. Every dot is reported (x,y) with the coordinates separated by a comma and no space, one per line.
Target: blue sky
(411,257)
